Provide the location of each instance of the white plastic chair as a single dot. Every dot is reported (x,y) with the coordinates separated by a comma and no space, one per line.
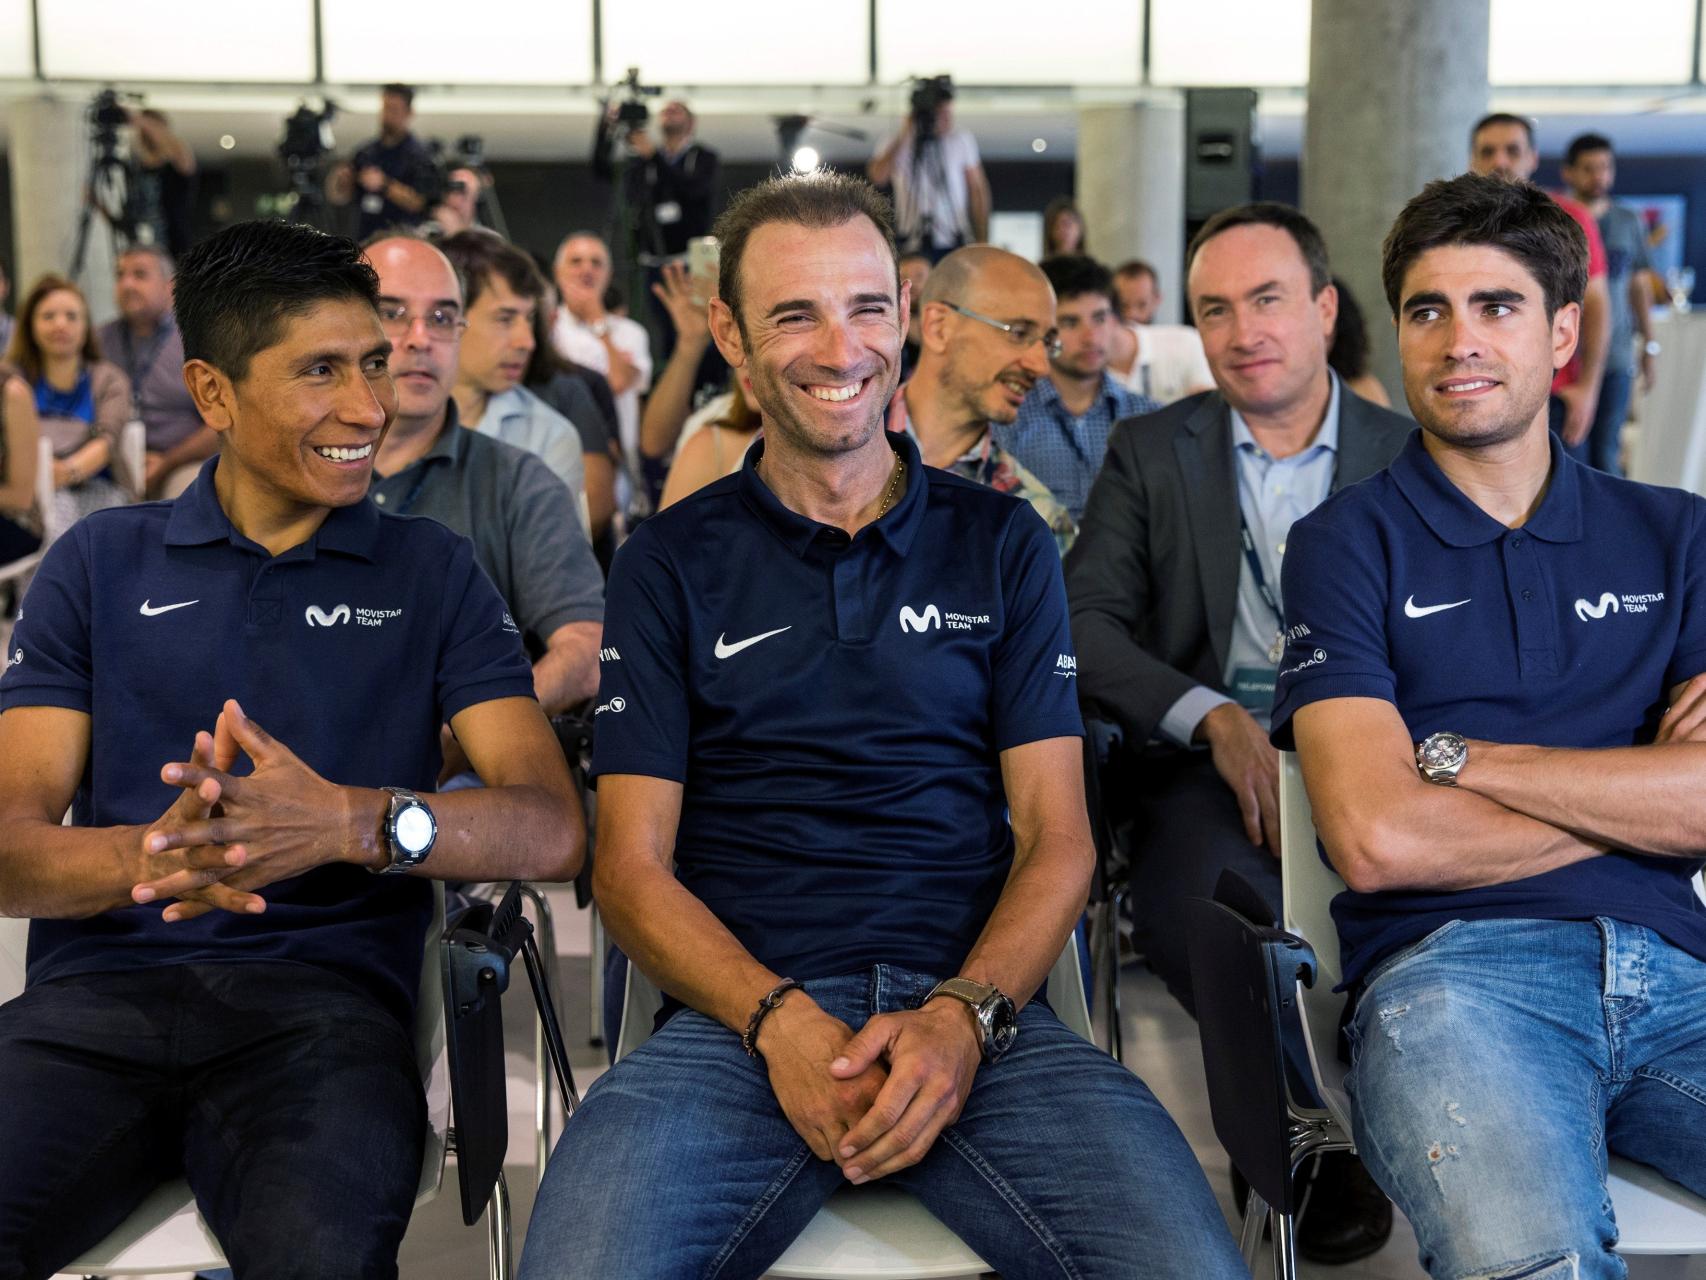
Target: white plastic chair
(165,1234)
(1654,1215)
(872,1232)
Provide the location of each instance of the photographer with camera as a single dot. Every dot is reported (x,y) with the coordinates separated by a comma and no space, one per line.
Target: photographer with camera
(669,184)
(392,173)
(458,207)
(165,182)
(941,195)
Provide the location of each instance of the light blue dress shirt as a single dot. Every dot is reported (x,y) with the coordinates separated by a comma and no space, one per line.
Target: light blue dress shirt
(1273,493)
(520,418)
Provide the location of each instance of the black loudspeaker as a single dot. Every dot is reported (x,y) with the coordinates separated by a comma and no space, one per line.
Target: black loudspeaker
(1221,155)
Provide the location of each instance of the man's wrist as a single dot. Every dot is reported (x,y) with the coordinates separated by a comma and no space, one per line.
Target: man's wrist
(966,1016)
(793,1004)
(364,841)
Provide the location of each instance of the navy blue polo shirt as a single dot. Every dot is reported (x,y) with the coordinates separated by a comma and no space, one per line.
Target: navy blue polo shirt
(350,649)
(836,709)
(1567,632)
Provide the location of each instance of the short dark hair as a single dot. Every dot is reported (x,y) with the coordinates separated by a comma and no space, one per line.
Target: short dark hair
(1135,267)
(1075,274)
(1348,356)
(481,255)
(237,288)
(818,199)
(1270,213)
(1502,117)
(1517,217)
(403,91)
(1584,143)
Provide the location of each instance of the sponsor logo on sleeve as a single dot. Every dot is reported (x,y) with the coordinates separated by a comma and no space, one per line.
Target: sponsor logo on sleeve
(16,660)
(1066,665)
(615,706)
(609,655)
(1313,660)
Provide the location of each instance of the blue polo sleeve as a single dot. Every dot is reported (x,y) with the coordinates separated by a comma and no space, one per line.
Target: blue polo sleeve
(1034,669)
(50,660)
(641,720)
(1689,660)
(1335,587)
(480,658)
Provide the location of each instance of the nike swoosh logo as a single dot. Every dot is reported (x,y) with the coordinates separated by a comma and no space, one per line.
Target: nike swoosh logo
(729,650)
(1413,610)
(150,611)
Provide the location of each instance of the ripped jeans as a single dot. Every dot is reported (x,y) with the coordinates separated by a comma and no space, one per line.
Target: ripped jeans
(1496,1061)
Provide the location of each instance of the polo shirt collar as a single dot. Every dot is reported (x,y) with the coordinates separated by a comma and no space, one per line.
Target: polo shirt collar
(1458,522)
(897,528)
(1326,438)
(197,519)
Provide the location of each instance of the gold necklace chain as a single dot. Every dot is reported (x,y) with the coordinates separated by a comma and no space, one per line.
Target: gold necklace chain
(894,486)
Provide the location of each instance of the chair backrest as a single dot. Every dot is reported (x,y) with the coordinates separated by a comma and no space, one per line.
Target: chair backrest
(1308,887)
(641,1000)
(132,459)
(45,505)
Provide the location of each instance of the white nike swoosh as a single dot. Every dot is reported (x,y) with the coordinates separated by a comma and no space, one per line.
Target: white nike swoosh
(729,650)
(1413,610)
(148,611)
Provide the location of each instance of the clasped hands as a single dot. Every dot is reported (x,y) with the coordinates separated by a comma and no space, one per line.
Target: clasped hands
(876,1101)
(225,837)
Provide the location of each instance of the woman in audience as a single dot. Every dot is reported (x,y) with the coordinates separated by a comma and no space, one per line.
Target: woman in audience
(1349,355)
(1063,228)
(19,530)
(81,400)
(713,446)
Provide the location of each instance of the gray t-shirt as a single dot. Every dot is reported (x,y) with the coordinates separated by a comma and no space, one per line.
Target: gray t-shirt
(1625,237)
(526,532)
(155,367)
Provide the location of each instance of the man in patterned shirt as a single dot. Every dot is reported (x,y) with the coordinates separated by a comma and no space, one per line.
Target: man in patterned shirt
(986,326)
(1061,431)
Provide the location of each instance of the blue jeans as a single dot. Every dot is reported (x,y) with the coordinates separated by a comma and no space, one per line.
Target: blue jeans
(680,1163)
(1605,437)
(286,1096)
(1494,1064)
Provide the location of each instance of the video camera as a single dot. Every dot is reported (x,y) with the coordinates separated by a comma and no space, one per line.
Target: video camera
(468,153)
(633,113)
(308,137)
(106,115)
(928,94)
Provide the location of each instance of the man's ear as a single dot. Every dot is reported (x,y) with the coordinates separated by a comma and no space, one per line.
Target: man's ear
(725,332)
(935,319)
(215,395)
(905,308)
(1328,301)
(1566,332)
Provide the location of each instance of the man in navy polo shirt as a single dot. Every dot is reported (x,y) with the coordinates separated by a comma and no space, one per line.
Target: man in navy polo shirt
(827,680)
(1491,615)
(219,986)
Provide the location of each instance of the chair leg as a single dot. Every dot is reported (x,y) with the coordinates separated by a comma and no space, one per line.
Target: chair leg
(1285,1246)
(498,1241)
(543,1114)
(595,1036)
(1255,1218)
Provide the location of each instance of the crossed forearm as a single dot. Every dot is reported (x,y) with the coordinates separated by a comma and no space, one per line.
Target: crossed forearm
(1641,799)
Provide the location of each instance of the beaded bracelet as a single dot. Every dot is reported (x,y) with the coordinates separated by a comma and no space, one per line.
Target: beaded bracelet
(749,1038)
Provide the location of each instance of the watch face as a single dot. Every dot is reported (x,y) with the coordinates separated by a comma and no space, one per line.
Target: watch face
(414,828)
(1442,750)
(1002,1021)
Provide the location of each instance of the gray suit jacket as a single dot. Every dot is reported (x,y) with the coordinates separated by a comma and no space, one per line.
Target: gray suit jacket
(1153,577)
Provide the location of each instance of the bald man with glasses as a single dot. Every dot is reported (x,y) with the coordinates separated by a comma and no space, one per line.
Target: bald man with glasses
(987,332)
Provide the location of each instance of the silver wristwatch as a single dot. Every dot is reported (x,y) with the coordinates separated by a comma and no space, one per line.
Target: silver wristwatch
(410,831)
(1441,757)
(997,1016)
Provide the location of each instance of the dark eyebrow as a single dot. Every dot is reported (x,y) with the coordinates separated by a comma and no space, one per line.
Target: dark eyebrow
(1484,296)
(793,304)
(865,299)
(1431,298)
(1267,286)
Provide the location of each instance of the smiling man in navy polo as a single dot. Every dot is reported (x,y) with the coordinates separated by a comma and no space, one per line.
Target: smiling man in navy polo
(1495,685)
(827,681)
(219,985)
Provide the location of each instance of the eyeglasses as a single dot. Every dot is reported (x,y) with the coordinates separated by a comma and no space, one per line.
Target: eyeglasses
(1022,334)
(442,324)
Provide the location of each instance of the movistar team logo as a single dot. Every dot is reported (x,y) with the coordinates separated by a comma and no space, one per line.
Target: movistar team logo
(1584,610)
(318,617)
(912,621)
